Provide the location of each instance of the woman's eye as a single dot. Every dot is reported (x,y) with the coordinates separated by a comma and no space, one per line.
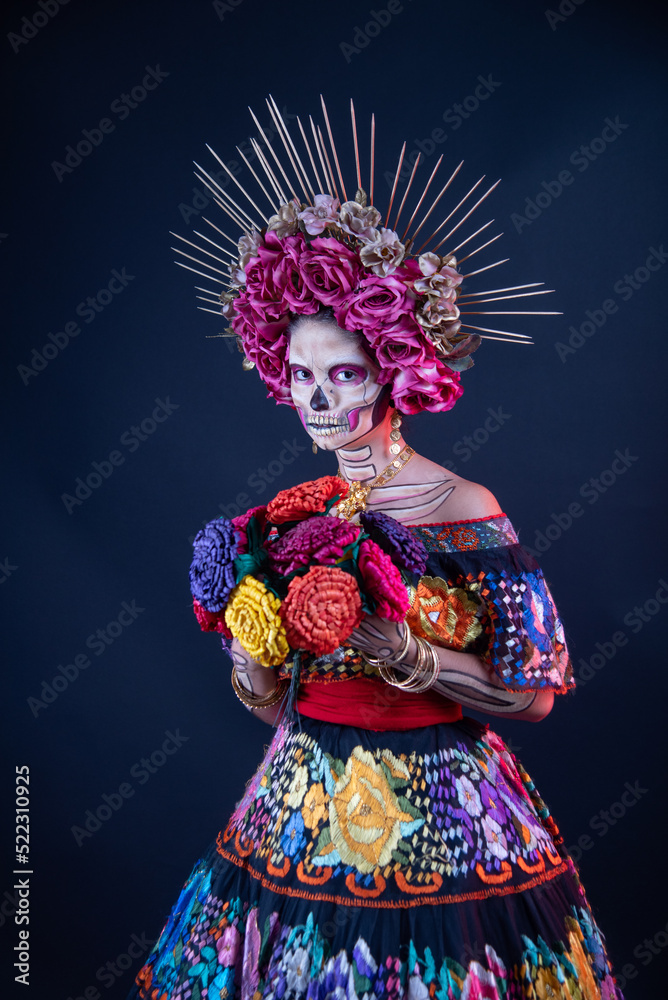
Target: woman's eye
(301,374)
(349,376)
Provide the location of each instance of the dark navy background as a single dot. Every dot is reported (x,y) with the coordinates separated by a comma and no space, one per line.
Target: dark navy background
(68,570)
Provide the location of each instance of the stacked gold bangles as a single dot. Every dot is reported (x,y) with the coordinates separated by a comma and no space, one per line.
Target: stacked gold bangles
(425,672)
(254,701)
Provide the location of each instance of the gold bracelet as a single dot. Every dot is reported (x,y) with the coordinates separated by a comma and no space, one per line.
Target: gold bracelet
(424,674)
(253,701)
(400,655)
(412,681)
(432,668)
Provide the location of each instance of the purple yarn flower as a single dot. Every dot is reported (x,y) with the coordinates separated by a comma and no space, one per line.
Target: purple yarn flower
(405,550)
(212,575)
(320,540)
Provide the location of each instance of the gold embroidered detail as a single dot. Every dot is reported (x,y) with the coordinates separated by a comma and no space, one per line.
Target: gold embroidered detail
(447,616)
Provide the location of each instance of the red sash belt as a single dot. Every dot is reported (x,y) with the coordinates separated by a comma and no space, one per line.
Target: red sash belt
(370,703)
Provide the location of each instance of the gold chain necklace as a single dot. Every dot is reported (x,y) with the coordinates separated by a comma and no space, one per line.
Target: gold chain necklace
(358,492)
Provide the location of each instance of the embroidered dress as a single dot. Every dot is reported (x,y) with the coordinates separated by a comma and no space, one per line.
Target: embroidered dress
(403,852)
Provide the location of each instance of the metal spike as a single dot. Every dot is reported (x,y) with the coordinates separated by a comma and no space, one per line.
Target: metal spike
(331,142)
(293,147)
(394,186)
(502,298)
(471,237)
(203,237)
(240,222)
(229,238)
(328,182)
(438,197)
(321,188)
(511,288)
(210,277)
(506,312)
(202,263)
(403,200)
(242,218)
(214,186)
(240,186)
(478,249)
(280,128)
(268,171)
(329,166)
(506,340)
(264,190)
(201,249)
(455,209)
(520,336)
(481,269)
(273,153)
(212,302)
(357,152)
(216,312)
(470,212)
(373,157)
(209,291)
(424,193)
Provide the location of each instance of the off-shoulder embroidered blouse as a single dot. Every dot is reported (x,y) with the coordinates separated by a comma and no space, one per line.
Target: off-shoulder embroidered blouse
(483,593)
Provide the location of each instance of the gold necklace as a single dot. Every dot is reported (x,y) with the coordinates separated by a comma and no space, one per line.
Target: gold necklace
(358,492)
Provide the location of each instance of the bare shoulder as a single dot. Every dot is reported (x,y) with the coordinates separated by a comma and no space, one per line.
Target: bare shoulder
(463,500)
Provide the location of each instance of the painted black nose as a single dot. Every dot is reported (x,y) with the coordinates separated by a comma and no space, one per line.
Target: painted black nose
(319,400)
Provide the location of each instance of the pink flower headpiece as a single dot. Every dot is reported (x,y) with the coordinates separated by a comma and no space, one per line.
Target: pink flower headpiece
(318,252)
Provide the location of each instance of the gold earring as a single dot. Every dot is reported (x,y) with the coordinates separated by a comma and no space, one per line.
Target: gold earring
(315,448)
(395,433)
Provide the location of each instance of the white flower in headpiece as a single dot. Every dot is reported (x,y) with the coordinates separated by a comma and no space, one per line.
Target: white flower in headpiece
(383,252)
(227,305)
(359,220)
(285,223)
(325,212)
(247,247)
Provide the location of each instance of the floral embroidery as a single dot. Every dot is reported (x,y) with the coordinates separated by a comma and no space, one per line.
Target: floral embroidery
(223,950)
(446,616)
(366,818)
(384,827)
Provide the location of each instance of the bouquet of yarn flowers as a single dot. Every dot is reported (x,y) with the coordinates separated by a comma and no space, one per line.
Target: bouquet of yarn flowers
(291,578)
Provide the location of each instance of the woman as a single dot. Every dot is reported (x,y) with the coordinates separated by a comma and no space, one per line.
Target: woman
(386,845)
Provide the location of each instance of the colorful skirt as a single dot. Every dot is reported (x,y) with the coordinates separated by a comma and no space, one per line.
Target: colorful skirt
(360,864)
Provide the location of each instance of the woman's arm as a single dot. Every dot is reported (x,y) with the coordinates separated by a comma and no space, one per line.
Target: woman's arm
(464,677)
(255,679)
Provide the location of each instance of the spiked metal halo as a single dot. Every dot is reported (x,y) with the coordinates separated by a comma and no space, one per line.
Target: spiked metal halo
(313,248)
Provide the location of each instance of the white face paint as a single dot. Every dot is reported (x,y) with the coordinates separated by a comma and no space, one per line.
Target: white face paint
(333,384)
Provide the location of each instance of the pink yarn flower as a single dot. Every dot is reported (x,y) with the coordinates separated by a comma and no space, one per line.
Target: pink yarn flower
(382,581)
(321,540)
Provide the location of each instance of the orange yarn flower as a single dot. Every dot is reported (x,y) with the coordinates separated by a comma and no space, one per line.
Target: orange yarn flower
(321,609)
(305,500)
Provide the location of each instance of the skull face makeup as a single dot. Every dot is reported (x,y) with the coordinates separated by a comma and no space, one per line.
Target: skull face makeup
(333,384)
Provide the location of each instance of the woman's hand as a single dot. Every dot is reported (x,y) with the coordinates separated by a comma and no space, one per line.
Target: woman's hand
(378,637)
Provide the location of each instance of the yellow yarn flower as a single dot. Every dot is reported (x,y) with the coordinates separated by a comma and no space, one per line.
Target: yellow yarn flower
(252,617)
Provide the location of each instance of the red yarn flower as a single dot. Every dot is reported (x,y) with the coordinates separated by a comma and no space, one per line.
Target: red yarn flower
(211,621)
(382,581)
(321,609)
(305,500)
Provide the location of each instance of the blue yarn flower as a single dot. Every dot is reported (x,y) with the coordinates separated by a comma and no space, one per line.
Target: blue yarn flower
(212,575)
(405,550)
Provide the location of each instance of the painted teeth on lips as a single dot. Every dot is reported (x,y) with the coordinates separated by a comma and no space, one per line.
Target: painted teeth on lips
(323,424)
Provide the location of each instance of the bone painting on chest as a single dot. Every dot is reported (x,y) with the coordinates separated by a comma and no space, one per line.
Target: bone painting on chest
(343,407)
